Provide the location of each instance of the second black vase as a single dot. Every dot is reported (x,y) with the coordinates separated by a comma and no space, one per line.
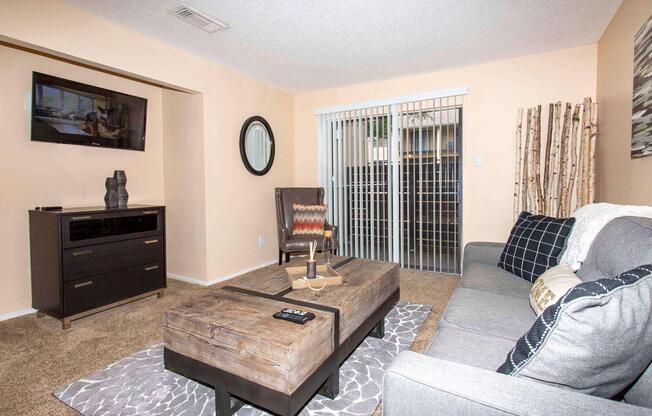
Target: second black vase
(120,178)
(111,196)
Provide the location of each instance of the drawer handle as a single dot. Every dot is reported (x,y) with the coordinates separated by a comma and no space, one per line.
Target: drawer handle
(78,285)
(82,252)
(150,268)
(151,241)
(84,217)
(150,212)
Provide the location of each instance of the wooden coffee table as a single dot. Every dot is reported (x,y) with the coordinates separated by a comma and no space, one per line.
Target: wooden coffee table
(228,338)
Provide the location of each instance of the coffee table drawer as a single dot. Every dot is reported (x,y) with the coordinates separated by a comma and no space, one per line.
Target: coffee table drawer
(101,258)
(91,292)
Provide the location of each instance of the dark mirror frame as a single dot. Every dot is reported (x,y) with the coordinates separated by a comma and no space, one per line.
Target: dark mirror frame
(243,152)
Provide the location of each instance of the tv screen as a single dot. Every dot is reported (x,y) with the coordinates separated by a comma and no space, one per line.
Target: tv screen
(70,112)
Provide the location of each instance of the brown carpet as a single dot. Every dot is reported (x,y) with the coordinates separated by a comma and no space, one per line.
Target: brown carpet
(37,357)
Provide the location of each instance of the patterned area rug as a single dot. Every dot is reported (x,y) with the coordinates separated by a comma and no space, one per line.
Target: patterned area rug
(140,385)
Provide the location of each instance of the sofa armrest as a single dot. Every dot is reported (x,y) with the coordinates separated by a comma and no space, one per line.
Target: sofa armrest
(416,384)
(481,252)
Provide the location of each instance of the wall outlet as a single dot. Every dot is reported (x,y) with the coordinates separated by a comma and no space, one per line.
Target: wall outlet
(262,240)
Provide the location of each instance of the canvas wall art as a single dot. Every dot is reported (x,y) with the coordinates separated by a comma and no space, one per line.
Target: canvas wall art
(642,100)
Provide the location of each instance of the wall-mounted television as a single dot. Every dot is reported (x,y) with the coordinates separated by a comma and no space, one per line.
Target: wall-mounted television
(70,112)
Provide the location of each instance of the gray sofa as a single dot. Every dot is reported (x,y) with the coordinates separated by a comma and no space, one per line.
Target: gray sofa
(485,316)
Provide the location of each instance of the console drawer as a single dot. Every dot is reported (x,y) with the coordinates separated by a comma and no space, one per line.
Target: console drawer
(101,258)
(98,228)
(83,294)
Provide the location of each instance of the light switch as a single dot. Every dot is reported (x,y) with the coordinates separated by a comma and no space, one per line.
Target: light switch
(479,160)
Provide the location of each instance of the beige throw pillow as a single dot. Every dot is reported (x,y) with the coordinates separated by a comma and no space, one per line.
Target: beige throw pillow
(552,285)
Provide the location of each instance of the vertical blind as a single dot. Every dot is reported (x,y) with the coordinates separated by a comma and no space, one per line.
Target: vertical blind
(392,177)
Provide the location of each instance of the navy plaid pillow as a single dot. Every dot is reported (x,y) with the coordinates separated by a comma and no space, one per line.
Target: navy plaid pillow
(534,245)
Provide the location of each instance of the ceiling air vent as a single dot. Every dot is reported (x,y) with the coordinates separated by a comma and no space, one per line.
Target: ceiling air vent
(197,19)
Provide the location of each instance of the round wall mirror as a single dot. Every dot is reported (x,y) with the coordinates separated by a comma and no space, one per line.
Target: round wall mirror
(257,145)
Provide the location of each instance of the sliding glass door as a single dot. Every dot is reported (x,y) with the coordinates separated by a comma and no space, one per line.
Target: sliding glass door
(392,175)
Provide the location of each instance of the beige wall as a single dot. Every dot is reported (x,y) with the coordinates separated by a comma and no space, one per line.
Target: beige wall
(238,206)
(497,90)
(183,131)
(620,178)
(38,173)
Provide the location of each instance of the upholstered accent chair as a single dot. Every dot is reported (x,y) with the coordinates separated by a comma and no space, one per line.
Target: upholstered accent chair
(287,243)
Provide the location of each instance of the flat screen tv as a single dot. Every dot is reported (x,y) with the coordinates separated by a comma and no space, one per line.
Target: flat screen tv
(70,112)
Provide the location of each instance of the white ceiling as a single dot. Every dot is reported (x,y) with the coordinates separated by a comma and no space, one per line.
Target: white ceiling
(302,45)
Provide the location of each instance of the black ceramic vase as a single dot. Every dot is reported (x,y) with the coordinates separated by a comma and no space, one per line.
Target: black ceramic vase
(111,196)
(120,178)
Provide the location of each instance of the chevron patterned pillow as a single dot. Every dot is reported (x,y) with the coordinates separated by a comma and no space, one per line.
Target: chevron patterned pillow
(308,219)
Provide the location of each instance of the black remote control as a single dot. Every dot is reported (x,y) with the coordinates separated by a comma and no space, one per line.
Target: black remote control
(297,312)
(295,316)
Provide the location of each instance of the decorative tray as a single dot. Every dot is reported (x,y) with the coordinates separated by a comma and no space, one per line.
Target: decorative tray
(326,276)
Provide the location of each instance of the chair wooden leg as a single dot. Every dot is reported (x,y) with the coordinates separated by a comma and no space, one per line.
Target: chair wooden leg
(280,256)
(287,257)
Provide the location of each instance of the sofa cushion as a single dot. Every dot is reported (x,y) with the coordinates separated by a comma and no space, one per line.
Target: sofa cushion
(534,244)
(487,313)
(493,279)
(639,393)
(621,245)
(597,339)
(464,347)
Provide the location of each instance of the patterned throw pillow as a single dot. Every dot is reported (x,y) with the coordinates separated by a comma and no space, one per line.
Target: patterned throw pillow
(308,219)
(597,339)
(551,286)
(534,244)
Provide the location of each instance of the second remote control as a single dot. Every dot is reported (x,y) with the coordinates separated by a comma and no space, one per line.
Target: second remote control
(297,312)
(291,317)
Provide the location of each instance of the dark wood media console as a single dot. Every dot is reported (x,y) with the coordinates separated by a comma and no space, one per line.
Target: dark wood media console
(85,260)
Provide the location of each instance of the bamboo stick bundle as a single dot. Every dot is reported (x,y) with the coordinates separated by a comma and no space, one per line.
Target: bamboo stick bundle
(592,143)
(554,160)
(531,186)
(526,152)
(517,169)
(536,154)
(563,164)
(573,157)
(546,173)
(565,179)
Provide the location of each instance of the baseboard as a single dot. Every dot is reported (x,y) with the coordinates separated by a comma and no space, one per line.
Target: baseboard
(186,279)
(196,281)
(16,314)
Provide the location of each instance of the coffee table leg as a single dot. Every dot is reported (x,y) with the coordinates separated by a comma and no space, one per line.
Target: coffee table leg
(222,402)
(379,329)
(331,388)
(225,405)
